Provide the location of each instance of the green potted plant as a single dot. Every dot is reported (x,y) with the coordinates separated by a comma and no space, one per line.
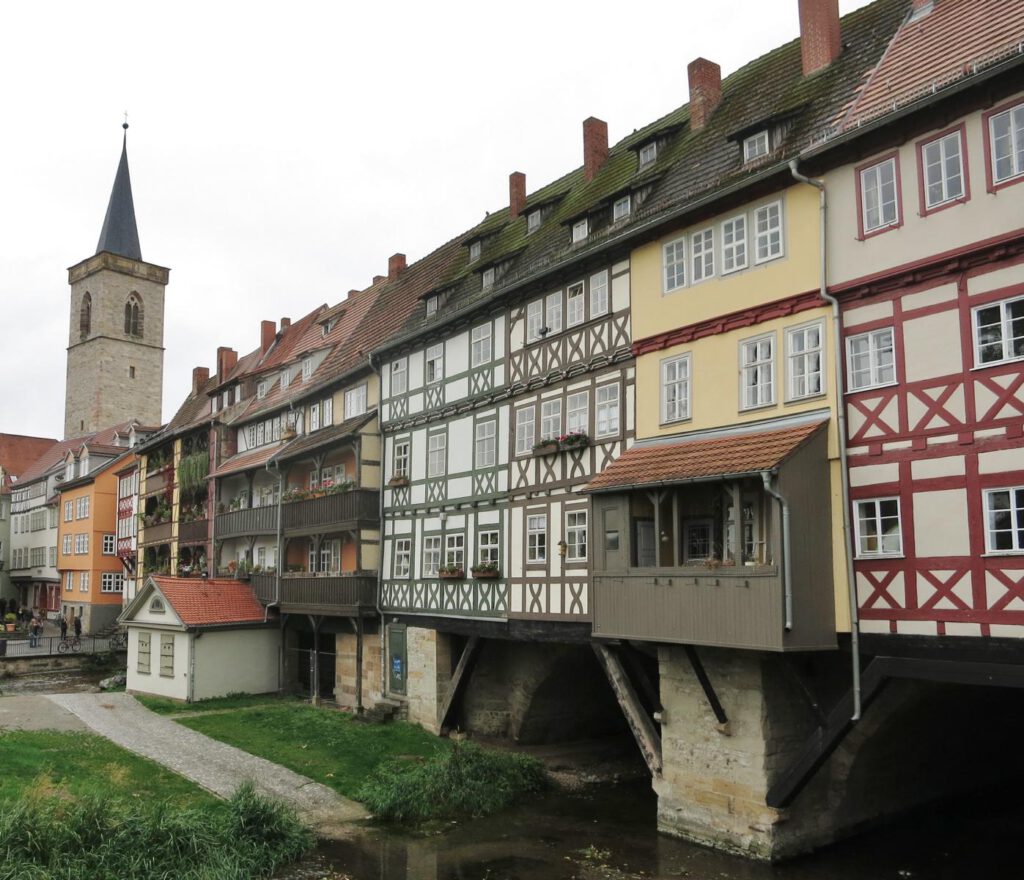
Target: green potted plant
(546,446)
(398,480)
(451,571)
(485,570)
(573,440)
(10,621)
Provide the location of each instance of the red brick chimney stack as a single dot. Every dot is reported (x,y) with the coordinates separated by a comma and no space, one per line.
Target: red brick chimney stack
(595,146)
(396,266)
(200,376)
(268,330)
(516,193)
(285,324)
(227,358)
(705,78)
(819,34)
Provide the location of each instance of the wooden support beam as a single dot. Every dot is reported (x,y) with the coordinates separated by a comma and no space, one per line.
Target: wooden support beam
(460,675)
(644,731)
(706,686)
(640,676)
(359,664)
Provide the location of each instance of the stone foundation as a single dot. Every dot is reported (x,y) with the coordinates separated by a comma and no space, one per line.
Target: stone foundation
(430,666)
(345,667)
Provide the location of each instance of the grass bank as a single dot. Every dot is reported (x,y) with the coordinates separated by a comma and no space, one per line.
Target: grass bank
(163,706)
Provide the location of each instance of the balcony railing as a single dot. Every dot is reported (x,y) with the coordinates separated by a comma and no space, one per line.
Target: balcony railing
(158,534)
(344,508)
(160,479)
(250,521)
(193,532)
(323,594)
(739,607)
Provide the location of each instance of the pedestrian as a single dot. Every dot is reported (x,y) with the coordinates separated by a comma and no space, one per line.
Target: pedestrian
(63,627)
(78,626)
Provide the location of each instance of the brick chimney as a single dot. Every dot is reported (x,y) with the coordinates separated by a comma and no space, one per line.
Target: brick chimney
(705,78)
(226,360)
(595,146)
(377,279)
(285,324)
(396,266)
(819,34)
(352,293)
(200,376)
(516,193)
(268,330)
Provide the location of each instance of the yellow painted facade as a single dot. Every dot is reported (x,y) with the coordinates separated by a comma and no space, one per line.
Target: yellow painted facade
(716,397)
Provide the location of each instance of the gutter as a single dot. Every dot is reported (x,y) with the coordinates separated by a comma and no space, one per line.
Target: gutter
(380,556)
(787,572)
(277,554)
(844,477)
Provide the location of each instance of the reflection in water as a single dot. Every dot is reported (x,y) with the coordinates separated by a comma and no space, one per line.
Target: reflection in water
(608,833)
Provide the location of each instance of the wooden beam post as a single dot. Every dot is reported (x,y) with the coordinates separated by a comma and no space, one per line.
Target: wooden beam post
(647,737)
(460,675)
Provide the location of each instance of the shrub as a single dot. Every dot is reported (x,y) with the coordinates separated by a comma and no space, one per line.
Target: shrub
(467,781)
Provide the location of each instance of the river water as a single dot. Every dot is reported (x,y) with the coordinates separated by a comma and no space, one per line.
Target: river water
(607,833)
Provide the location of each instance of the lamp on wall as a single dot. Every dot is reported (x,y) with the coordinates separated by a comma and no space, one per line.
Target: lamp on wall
(563,548)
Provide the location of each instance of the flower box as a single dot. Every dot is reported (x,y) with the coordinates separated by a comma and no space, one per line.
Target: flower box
(397,481)
(545,447)
(485,573)
(574,440)
(452,574)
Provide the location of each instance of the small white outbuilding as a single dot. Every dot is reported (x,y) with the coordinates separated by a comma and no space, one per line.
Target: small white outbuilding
(192,639)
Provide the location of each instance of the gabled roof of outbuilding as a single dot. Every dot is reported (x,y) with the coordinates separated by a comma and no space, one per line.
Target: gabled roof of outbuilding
(210,602)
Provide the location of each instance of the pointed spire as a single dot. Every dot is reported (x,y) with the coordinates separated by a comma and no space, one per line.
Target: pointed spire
(120,235)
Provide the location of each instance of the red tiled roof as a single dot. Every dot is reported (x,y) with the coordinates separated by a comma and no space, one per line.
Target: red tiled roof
(246,460)
(702,458)
(57,452)
(936,48)
(202,602)
(18,451)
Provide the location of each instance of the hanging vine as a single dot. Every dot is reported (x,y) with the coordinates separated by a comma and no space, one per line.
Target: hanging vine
(192,471)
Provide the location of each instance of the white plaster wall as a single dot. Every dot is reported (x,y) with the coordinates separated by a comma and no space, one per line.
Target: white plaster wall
(236,661)
(923,358)
(456,354)
(940,523)
(175,687)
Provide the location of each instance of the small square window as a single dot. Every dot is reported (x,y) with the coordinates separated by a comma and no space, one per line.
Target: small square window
(307,368)
(877,525)
(648,153)
(999,332)
(871,360)
(580,230)
(768,232)
(261,389)
(675,264)
(878,193)
(621,208)
(755,146)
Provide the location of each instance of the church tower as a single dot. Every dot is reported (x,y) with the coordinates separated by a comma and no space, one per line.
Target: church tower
(116,333)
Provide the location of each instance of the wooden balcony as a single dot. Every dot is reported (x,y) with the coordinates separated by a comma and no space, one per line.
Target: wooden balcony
(158,534)
(250,521)
(193,532)
(735,607)
(343,595)
(159,480)
(340,511)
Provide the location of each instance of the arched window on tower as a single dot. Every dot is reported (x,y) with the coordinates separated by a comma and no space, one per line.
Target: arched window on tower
(85,316)
(133,315)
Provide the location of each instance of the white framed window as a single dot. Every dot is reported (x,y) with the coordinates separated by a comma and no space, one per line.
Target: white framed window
(577,416)
(803,361)
(434,363)
(698,540)
(68,511)
(599,293)
(69,582)
(554,312)
(261,389)
(525,430)
(480,345)
(82,507)
(999,332)
(550,419)
(487,546)
(314,422)
(327,410)
(1006,135)
(403,558)
(755,146)
(675,389)
(580,230)
(871,359)
(83,582)
(607,410)
(111,582)
(307,368)
(621,208)
(674,263)
(431,555)
(81,544)
(877,525)
(399,377)
(942,170)
(1004,520)
(879,205)
(432,303)
(537,538)
(66,545)
(400,467)
(648,153)
(437,453)
(455,551)
(51,555)
(702,250)
(486,439)
(534,320)
(576,535)
(532,221)
(109,545)
(757,371)
(355,402)
(574,305)
(286,378)
(768,232)
(142,653)
(734,244)
(487,279)
(474,251)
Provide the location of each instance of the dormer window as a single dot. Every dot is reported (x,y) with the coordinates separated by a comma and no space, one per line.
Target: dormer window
(648,153)
(533,220)
(488,279)
(307,368)
(432,304)
(328,326)
(474,251)
(755,146)
(580,230)
(261,389)
(286,378)
(621,208)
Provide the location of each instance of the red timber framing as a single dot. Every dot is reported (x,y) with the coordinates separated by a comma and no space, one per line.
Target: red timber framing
(945,432)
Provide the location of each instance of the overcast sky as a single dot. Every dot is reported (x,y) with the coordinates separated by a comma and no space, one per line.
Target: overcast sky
(280,153)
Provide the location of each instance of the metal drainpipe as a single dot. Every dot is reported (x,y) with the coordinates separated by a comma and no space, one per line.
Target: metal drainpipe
(787,571)
(380,520)
(841,428)
(277,555)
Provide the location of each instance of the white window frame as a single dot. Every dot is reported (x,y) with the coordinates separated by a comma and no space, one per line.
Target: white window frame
(599,294)
(327,412)
(286,378)
(65,545)
(437,454)
(648,154)
(862,506)
(109,544)
(432,304)
(69,576)
(111,582)
(536,538)
(487,278)
(399,376)
(143,652)
(526,429)
(757,372)
(551,419)
(314,421)
(474,251)
(576,535)
(935,159)
(488,548)
(307,368)
(532,221)
(607,410)
(1006,338)
(734,245)
(83,582)
(575,304)
(433,364)
(480,345)
(755,146)
(534,320)
(455,550)
(799,362)
(577,413)
(702,253)
(261,389)
(673,262)
(486,444)
(431,562)
(621,208)
(355,402)
(402,558)
(771,235)
(1015,154)
(553,312)
(875,367)
(69,513)
(1015,508)
(400,458)
(871,183)
(676,375)
(580,230)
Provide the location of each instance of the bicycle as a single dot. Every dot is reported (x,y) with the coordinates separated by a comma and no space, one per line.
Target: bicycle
(118,640)
(72,644)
